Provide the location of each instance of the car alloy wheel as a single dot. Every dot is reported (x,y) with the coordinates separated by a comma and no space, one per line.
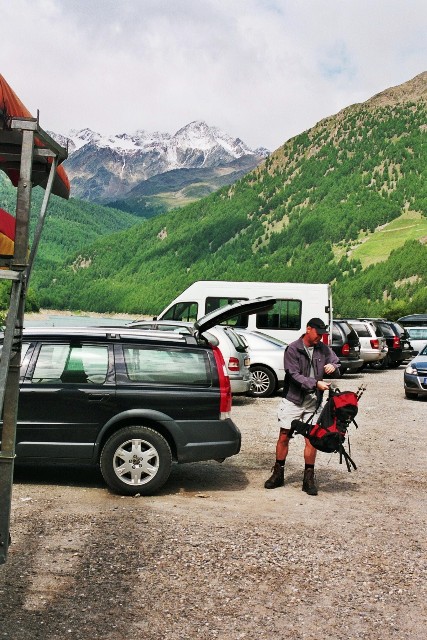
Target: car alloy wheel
(263,382)
(136,460)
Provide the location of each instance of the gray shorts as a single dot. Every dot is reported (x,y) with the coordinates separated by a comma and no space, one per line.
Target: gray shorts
(288,411)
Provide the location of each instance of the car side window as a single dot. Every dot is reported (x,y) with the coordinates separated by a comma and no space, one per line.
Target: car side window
(167,366)
(64,363)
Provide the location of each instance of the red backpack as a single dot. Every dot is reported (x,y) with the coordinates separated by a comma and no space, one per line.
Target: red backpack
(328,434)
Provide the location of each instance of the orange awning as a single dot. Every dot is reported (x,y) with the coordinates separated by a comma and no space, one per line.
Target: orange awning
(10,144)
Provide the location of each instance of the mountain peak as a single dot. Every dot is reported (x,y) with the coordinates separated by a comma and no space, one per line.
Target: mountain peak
(412,90)
(106,167)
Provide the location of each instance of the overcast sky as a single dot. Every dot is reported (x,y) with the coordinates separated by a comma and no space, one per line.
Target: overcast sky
(261,70)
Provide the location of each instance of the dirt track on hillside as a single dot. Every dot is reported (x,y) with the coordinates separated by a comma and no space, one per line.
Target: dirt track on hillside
(215,555)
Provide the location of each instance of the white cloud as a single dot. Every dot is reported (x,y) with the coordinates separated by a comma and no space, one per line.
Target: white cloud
(263,70)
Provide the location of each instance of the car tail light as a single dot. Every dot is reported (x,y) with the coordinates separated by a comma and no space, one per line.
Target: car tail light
(375,343)
(233,364)
(325,338)
(345,349)
(396,342)
(224,385)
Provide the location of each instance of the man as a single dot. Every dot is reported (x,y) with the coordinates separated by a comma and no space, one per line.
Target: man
(307,360)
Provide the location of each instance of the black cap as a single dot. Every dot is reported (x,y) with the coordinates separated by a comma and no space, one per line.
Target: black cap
(318,324)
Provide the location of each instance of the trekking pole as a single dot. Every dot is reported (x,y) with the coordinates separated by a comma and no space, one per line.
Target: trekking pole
(360,391)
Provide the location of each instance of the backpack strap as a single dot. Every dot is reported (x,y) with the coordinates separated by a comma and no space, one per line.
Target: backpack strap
(297,426)
(348,461)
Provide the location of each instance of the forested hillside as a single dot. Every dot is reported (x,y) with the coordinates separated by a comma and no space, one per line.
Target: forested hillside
(69,226)
(345,202)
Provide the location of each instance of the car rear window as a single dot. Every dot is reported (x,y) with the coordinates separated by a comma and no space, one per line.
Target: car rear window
(361,329)
(417,334)
(386,330)
(236,339)
(167,366)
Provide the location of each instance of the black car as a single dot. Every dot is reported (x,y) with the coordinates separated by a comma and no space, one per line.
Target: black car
(127,400)
(346,345)
(397,339)
(413,320)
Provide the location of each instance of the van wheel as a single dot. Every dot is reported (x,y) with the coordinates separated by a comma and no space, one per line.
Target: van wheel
(263,383)
(135,460)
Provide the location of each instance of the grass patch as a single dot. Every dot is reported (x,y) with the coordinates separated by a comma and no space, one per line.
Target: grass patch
(411,225)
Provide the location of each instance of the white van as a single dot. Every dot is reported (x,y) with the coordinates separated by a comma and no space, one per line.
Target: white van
(286,320)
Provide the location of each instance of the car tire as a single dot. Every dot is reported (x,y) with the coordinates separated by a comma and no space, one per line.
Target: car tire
(263,382)
(381,364)
(136,460)
(411,396)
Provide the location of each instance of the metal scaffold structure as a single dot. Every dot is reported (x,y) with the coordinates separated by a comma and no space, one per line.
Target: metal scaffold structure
(29,157)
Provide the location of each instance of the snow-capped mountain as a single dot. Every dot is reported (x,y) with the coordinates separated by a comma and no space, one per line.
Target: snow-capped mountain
(106,168)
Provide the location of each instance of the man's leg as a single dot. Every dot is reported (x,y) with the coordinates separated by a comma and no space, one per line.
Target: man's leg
(277,478)
(309,483)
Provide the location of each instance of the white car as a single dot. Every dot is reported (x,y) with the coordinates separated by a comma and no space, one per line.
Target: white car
(373,348)
(267,362)
(417,338)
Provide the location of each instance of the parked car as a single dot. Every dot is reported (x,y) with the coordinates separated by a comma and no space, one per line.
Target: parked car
(373,348)
(415,376)
(417,337)
(130,401)
(399,348)
(267,362)
(233,349)
(346,345)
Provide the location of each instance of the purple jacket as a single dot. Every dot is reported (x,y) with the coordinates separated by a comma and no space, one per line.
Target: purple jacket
(297,369)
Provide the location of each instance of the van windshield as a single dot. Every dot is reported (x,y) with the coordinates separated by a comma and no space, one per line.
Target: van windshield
(182,311)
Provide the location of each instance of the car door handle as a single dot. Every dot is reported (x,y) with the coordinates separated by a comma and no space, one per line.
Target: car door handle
(98,397)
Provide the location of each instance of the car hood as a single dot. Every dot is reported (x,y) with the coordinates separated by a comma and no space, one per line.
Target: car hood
(231,310)
(420,362)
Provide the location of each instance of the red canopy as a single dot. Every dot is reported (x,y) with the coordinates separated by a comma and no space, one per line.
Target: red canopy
(11,106)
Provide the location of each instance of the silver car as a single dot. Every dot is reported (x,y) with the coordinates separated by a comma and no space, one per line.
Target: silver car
(267,362)
(232,347)
(373,348)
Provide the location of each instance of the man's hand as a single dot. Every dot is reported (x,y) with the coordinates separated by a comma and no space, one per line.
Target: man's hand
(329,368)
(322,385)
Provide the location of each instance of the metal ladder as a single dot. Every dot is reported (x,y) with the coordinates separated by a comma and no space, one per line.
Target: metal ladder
(17,269)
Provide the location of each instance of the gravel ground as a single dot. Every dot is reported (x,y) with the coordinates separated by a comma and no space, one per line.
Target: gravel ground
(215,555)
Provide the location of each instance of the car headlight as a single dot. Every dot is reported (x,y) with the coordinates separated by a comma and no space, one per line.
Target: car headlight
(411,369)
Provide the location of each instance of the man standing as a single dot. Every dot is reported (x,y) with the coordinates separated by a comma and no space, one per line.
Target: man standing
(307,360)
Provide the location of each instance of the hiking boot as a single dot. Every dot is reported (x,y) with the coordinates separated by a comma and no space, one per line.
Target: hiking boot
(309,483)
(277,478)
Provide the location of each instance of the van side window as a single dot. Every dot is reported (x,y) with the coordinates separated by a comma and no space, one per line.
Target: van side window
(182,311)
(240,321)
(217,303)
(286,314)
